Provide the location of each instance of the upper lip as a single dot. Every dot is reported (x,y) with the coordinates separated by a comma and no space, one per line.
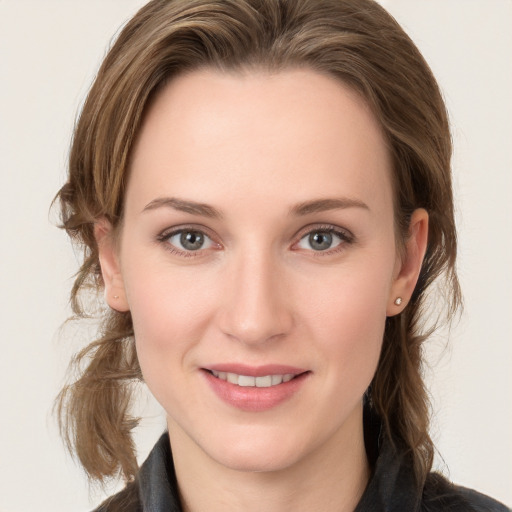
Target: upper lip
(256,371)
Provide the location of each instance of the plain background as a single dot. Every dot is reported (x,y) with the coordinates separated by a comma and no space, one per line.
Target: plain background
(50,50)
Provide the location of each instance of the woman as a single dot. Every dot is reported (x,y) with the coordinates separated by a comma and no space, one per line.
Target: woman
(263,190)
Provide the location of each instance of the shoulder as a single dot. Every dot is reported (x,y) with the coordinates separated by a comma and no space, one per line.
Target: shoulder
(154,487)
(439,494)
(125,501)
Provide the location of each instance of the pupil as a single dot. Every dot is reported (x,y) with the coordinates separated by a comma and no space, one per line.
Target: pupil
(320,241)
(191,240)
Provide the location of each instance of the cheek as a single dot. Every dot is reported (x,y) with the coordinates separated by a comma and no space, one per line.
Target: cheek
(160,295)
(352,327)
(170,311)
(347,317)
(163,323)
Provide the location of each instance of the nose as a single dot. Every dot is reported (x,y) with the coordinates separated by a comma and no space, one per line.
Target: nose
(255,308)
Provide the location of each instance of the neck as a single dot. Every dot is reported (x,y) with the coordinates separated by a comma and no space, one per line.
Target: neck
(331,479)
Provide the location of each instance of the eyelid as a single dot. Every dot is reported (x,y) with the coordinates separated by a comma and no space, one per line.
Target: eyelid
(344,234)
(310,228)
(167,233)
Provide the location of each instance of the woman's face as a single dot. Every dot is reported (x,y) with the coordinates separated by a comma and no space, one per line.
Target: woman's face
(258,246)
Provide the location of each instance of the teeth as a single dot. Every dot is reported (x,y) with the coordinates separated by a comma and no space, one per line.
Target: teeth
(265,381)
(231,377)
(246,381)
(277,379)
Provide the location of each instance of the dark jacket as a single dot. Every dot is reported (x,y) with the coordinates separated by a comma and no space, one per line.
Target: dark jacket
(392,486)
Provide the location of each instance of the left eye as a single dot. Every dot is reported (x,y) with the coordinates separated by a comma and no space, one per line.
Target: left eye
(320,240)
(189,240)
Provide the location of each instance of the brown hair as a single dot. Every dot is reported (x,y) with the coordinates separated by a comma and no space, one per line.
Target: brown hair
(356,41)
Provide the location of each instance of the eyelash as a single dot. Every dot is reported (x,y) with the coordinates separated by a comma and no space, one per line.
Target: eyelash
(166,235)
(344,235)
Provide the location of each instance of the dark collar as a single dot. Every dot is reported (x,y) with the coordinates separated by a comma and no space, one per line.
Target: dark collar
(158,489)
(391,487)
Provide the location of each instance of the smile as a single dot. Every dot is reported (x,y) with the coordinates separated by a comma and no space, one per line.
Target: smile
(267,387)
(265,381)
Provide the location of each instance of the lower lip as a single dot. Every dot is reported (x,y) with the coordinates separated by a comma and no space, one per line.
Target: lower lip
(254,399)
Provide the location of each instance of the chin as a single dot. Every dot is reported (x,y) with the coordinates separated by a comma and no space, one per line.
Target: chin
(247,459)
(256,452)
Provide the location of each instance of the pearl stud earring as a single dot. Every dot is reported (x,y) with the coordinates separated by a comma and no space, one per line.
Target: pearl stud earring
(398,301)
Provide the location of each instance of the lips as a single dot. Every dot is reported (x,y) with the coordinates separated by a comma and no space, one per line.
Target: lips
(264,381)
(255,389)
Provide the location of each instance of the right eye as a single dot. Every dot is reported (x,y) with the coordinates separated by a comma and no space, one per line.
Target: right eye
(187,240)
(321,240)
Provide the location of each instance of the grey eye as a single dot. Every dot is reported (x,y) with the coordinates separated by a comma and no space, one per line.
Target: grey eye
(320,240)
(190,240)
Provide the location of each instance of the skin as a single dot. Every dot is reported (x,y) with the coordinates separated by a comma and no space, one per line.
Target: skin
(254,146)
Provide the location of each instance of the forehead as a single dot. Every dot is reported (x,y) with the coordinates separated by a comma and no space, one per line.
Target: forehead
(295,132)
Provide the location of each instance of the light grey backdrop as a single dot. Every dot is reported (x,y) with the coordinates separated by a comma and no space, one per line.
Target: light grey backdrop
(50,50)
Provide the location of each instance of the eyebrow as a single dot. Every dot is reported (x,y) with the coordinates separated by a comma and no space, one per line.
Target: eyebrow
(301,209)
(322,205)
(183,205)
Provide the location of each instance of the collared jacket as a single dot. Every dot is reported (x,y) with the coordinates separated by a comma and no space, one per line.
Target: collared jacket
(392,486)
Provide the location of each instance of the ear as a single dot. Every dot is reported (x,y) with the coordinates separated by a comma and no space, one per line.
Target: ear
(115,295)
(407,268)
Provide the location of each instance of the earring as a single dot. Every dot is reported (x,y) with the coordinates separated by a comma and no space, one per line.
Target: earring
(116,296)
(398,301)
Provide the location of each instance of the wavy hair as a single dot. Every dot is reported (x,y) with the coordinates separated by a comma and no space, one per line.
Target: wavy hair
(354,41)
